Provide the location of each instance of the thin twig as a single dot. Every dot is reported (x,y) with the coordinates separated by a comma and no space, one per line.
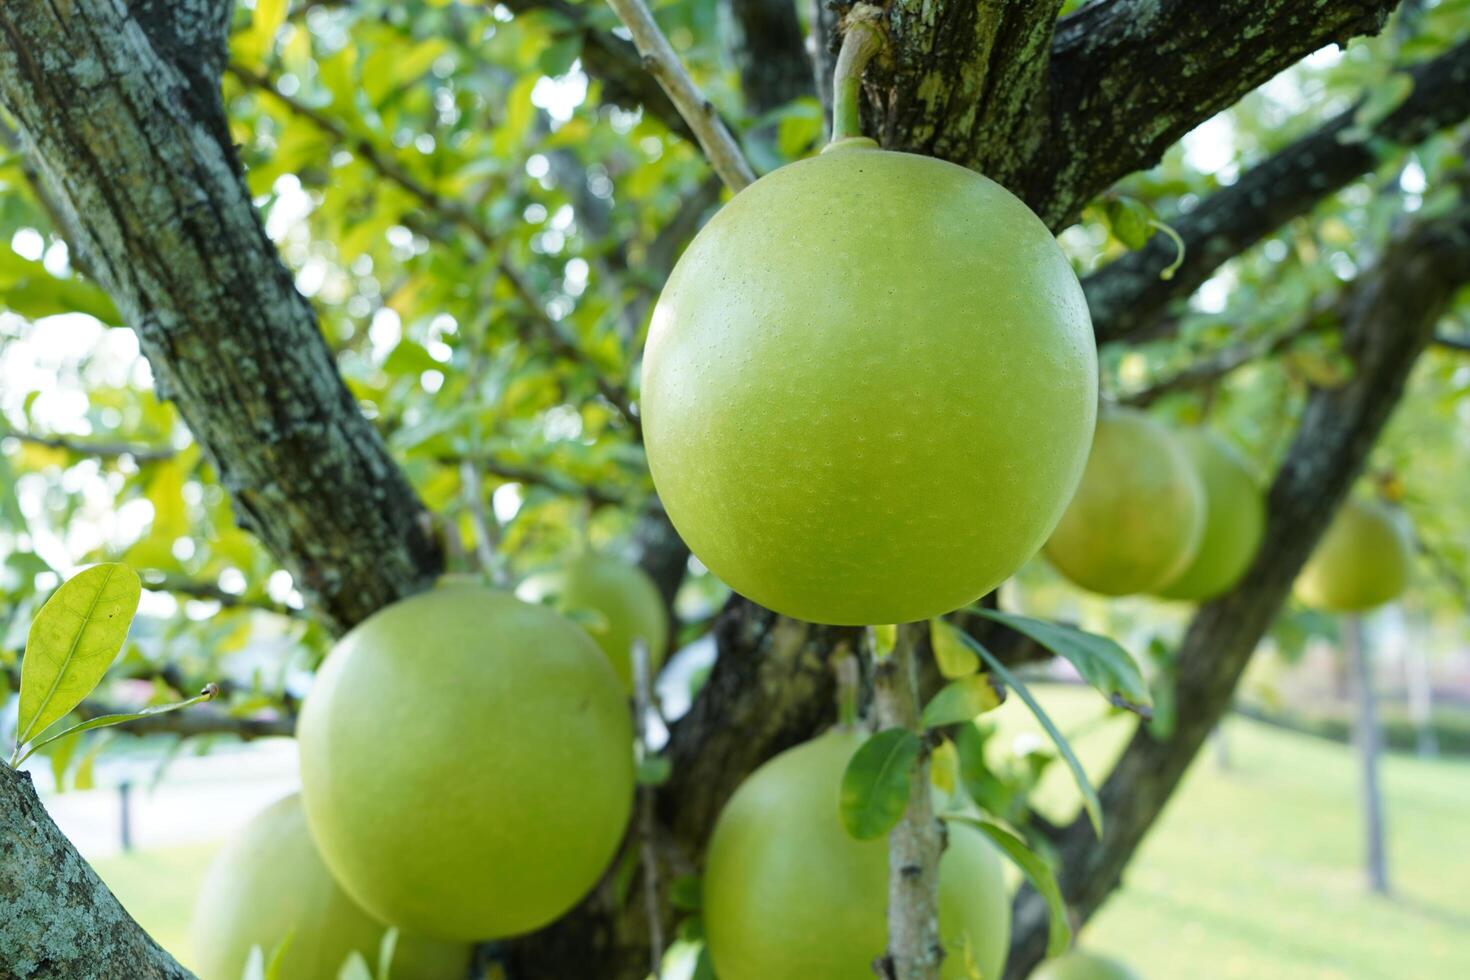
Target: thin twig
(1461,344)
(1205,374)
(660,60)
(487,528)
(86,447)
(915,950)
(535,476)
(210,591)
(647,845)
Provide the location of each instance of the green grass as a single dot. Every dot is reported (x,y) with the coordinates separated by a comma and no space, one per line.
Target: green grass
(1255,872)
(1252,873)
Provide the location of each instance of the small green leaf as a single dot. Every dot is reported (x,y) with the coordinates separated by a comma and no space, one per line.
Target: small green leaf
(686,893)
(885,638)
(875,787)
(1038,871)
(653,770)
(961,700)
(953,658)
(1101,662)
(106,721)
(354,968)
(1089,794)
(386,949)
(72,642)
(278,956)
(1129,220)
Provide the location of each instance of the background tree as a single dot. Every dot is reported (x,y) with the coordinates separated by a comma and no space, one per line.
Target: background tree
(391,263)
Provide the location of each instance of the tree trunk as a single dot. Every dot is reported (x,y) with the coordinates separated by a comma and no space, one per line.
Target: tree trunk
(1369,745)
(57,920)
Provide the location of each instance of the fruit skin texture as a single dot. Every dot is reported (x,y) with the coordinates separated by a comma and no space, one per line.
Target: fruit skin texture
(624,598)
(1235,519)
(1078,965)
(788,895)
(268,883)
(1361,562)
(466,763)
(1137,518)
(869,388)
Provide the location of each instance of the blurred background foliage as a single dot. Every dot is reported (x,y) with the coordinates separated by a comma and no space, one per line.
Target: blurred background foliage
(482,238)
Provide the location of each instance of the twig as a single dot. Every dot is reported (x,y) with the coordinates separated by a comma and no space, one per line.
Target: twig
(1461,344)
(534,476)
(457,213)
(648,850)
(84,447)
(1206,374)
(194,589)
(915,950)
(660,60)
(487,528)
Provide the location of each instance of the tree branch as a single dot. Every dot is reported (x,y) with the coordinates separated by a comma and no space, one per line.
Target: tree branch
(1388,317)
(914,950)
(211,592)
(88,447)
(60,920)
(1130,77)
(1127,295)
(1208,372)
(659,58)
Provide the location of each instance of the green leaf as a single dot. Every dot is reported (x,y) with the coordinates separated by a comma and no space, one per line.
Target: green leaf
(653,770)
(1037,870)
(1101,662)
(1089,794)
(686,893)
(953,658)
(961,700)
(885,638)
(1130,220)
(254,45)
(72,642)
(354,968)
(106,721)
(278,956)
(875,787)
(386,949)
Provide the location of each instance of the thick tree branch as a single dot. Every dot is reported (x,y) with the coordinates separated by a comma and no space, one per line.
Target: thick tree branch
(140,157)
(770,53)
(1388,319)
(969,82)
(57,920)
(1129,77)
(1128,295)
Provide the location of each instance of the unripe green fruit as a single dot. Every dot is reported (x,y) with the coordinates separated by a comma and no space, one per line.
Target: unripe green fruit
(625,603)
(869,388)
(269,883)
(1235,519)
(466,763)
(1136,520)
(788,895)
(1078,965)
(1361,562)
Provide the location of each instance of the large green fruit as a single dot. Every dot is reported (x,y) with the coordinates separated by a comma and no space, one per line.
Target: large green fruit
(624,603)
(1136,520)
(1361,562)
(1235,519)
(270,883)
(1078,965)
(466,763)
(869,388)
(788,895)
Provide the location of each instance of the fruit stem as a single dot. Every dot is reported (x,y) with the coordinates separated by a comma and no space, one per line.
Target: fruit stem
(860,42)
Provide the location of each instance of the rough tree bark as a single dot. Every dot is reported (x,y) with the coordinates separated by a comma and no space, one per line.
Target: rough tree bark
(119,109)
(57,920)
(1387,320)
